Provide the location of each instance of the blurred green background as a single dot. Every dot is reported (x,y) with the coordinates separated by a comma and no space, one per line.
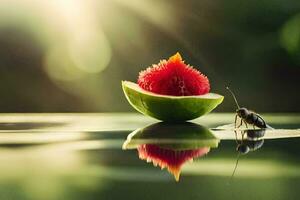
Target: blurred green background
(71,55)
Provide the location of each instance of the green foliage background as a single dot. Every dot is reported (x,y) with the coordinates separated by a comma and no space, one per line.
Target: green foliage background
(251,46)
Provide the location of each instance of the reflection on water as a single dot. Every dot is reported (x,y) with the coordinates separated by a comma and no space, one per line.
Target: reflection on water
(171,159)
(251,140)
(171,145)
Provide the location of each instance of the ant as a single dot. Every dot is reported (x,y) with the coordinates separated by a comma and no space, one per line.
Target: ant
(247,116)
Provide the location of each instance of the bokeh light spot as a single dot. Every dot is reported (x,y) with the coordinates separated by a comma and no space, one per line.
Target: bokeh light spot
(290,35)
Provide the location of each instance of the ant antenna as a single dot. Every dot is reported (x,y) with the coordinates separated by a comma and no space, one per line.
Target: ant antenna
(233,96)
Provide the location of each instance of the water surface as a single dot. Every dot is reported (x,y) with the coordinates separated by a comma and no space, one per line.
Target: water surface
(80,156)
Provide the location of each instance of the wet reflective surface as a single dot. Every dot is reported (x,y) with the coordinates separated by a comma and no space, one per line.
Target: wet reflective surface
(113,156)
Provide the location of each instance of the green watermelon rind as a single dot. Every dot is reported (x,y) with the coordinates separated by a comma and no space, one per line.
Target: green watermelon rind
(170,108)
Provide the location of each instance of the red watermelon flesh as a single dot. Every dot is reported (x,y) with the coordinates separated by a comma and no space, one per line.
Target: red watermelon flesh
(173,77)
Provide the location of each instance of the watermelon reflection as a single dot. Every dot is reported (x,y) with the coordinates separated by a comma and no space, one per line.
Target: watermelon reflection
(171,145)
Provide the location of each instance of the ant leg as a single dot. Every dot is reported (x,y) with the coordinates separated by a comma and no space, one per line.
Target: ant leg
(253,127)
(243,133)
(235,119)
(246,124)
(240,124)
(236,138)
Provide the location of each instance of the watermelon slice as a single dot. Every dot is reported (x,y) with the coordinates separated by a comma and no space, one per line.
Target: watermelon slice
(172,91)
